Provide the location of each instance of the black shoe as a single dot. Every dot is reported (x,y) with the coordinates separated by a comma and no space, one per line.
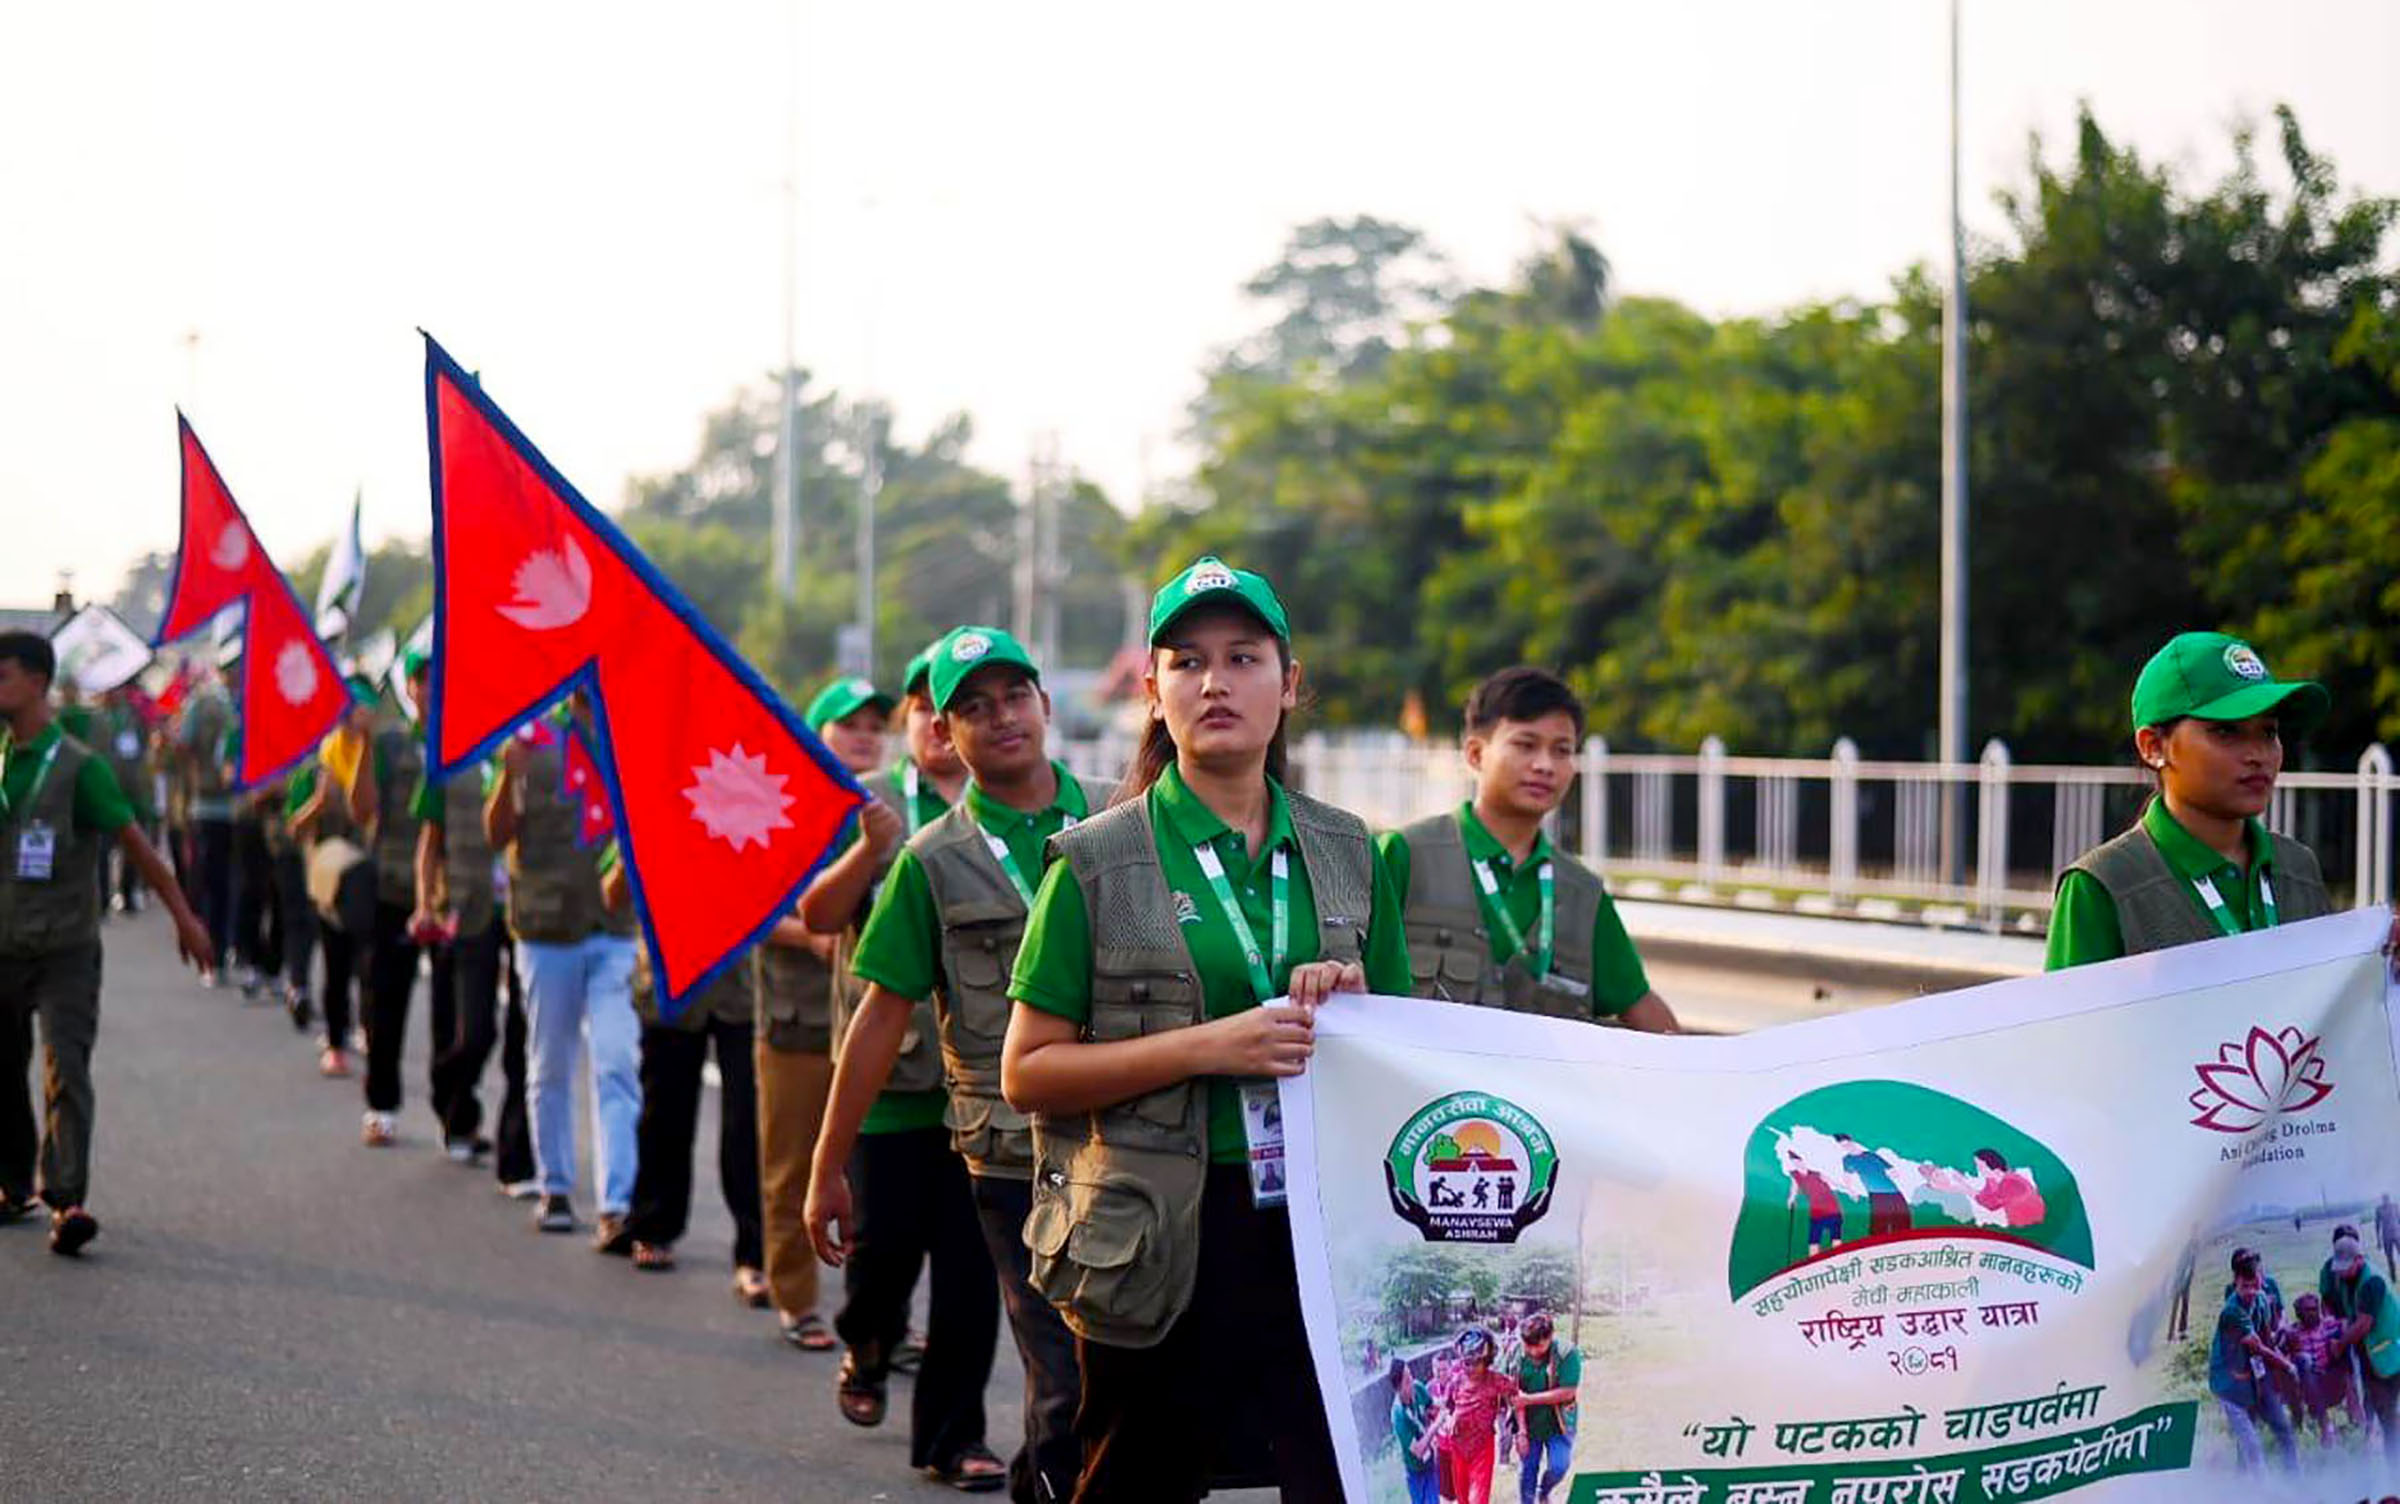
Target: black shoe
(555,1214)
(14,1208)
(70,1229)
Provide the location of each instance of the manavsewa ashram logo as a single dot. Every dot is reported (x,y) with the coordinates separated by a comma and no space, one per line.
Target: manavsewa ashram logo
(1471,1168)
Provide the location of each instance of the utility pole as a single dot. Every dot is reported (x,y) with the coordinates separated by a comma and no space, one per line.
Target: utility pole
(1027,572)
(1053,570)
(1953,728)
(870,485)
(787,431)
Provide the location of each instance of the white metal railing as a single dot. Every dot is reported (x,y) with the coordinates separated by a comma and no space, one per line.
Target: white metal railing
(1840,831)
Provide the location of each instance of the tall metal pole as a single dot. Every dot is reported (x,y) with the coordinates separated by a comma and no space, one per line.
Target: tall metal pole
(1953,729)
(870,484)
(787,430)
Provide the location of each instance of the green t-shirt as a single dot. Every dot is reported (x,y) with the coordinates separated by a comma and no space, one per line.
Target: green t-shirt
(1410,1416)
(902,1111)
(101,807)
(928,805)
(2083,922)
(1618,980)
(1563,1369)
(1054,965)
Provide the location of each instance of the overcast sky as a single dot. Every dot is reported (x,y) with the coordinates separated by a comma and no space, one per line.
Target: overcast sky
(1037,213)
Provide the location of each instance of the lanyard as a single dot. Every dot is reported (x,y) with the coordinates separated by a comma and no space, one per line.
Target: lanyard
(1008,860)
(2269,916)
(908,794)
(41,775)
(1262,975)
(1488,889)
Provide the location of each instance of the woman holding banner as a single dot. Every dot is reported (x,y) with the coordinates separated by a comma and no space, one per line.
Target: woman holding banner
(2209,722)
(1141,1025)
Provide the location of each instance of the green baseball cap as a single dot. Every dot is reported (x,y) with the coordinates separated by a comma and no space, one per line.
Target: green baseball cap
(412,661)
(363,690)
(967,649)
(843,697)
(1208,581)
(912,679)
(2215,677)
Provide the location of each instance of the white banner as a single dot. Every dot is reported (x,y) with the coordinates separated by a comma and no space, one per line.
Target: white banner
(1973,1247)
(97,652)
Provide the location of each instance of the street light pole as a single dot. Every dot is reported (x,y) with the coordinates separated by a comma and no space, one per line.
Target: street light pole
(786,510)
(1953,728)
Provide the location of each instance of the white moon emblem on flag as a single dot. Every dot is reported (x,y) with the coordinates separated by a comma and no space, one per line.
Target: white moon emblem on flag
(232,548)
(295,673)
(554,588)
(737,800)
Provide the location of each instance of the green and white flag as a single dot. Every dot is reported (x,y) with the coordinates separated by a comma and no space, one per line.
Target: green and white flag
(98,652)
(345,581)
(1974,1247)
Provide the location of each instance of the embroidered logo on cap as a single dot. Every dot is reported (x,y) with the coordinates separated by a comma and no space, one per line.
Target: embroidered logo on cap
(969,647)
(1186,911)
(861,687)
(1208,574)
(2244,662)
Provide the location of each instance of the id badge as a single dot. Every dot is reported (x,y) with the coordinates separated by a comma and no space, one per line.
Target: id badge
(1262,1127)
(37,849)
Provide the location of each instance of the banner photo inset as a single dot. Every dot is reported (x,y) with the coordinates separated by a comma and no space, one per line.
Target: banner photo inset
(1977,1247)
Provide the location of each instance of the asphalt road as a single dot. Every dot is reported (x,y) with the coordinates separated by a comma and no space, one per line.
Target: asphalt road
(275,1312)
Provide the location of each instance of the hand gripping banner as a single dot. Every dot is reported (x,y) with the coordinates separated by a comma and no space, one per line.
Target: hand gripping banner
(291,691)
(725,805)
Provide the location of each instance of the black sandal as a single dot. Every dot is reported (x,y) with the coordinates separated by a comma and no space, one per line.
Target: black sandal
(973,1471)
(862,1399)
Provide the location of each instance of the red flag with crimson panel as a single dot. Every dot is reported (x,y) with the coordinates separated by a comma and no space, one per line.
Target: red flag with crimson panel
(291,692)
(725,804)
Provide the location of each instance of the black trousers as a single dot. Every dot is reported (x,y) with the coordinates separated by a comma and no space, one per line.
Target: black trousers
(1044,1470)
(1238,1357)
(391,977)
(670,1126)
(911,1202)
(212,842)
(464,990)
(256,921)
(297,917)
(62,989)
(345,963)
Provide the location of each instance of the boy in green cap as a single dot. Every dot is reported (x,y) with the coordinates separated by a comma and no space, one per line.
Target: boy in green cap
(1496,917)
(945,928)
(792,992)
(2209,722)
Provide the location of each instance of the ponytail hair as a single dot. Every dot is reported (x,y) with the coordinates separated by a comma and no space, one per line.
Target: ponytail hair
(1155,753)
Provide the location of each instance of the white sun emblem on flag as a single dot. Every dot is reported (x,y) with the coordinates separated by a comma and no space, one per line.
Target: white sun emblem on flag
(295,673)
(737,799)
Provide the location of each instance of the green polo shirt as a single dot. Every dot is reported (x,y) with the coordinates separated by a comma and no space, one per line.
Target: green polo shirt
(2083,923)
(1054,965)
(900,949)
(929,805)
(900,1111)
(101,807)
(1618,980)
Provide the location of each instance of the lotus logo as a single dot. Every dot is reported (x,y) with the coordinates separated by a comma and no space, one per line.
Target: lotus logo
(2258,1079)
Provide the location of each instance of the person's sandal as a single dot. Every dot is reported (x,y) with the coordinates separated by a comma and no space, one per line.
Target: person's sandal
(910,1356)
(862,1399)
(808,1333)
(70,1229)
(750,1288)
(973,1471)
(655,1258)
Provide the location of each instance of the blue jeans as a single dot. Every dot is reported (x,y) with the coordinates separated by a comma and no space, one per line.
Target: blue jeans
(580,997)
(1424,1487)
(2238,1420)
(1544,1468)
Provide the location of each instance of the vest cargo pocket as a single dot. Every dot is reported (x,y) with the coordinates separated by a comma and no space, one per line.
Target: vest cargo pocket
(1088,1238)
(989,1132)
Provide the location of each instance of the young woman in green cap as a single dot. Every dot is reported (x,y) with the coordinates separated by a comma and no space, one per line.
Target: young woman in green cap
(2209,722)
(1142,1044)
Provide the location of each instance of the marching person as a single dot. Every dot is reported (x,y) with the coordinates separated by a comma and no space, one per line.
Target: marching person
(125,742)
(340,876)
(1497,916)
(792,986)
(458,907)
(59,806)
(945,927)
(382,797)
(204,744)
(674,1056)
(2209,722)
(1140,1027)
(577,962)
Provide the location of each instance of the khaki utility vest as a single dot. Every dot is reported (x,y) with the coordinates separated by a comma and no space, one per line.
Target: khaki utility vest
(44,916)
(553,882)
(1449,940)
(466,855)
(725,999)
(983,921)
(919,1067)
(2156,908)
(399,765)
(1115,1225)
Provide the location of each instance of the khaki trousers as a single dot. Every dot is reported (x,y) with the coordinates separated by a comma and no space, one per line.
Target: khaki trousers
(792,1088)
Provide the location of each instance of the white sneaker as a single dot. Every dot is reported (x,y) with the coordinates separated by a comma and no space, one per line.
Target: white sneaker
(522,1190)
